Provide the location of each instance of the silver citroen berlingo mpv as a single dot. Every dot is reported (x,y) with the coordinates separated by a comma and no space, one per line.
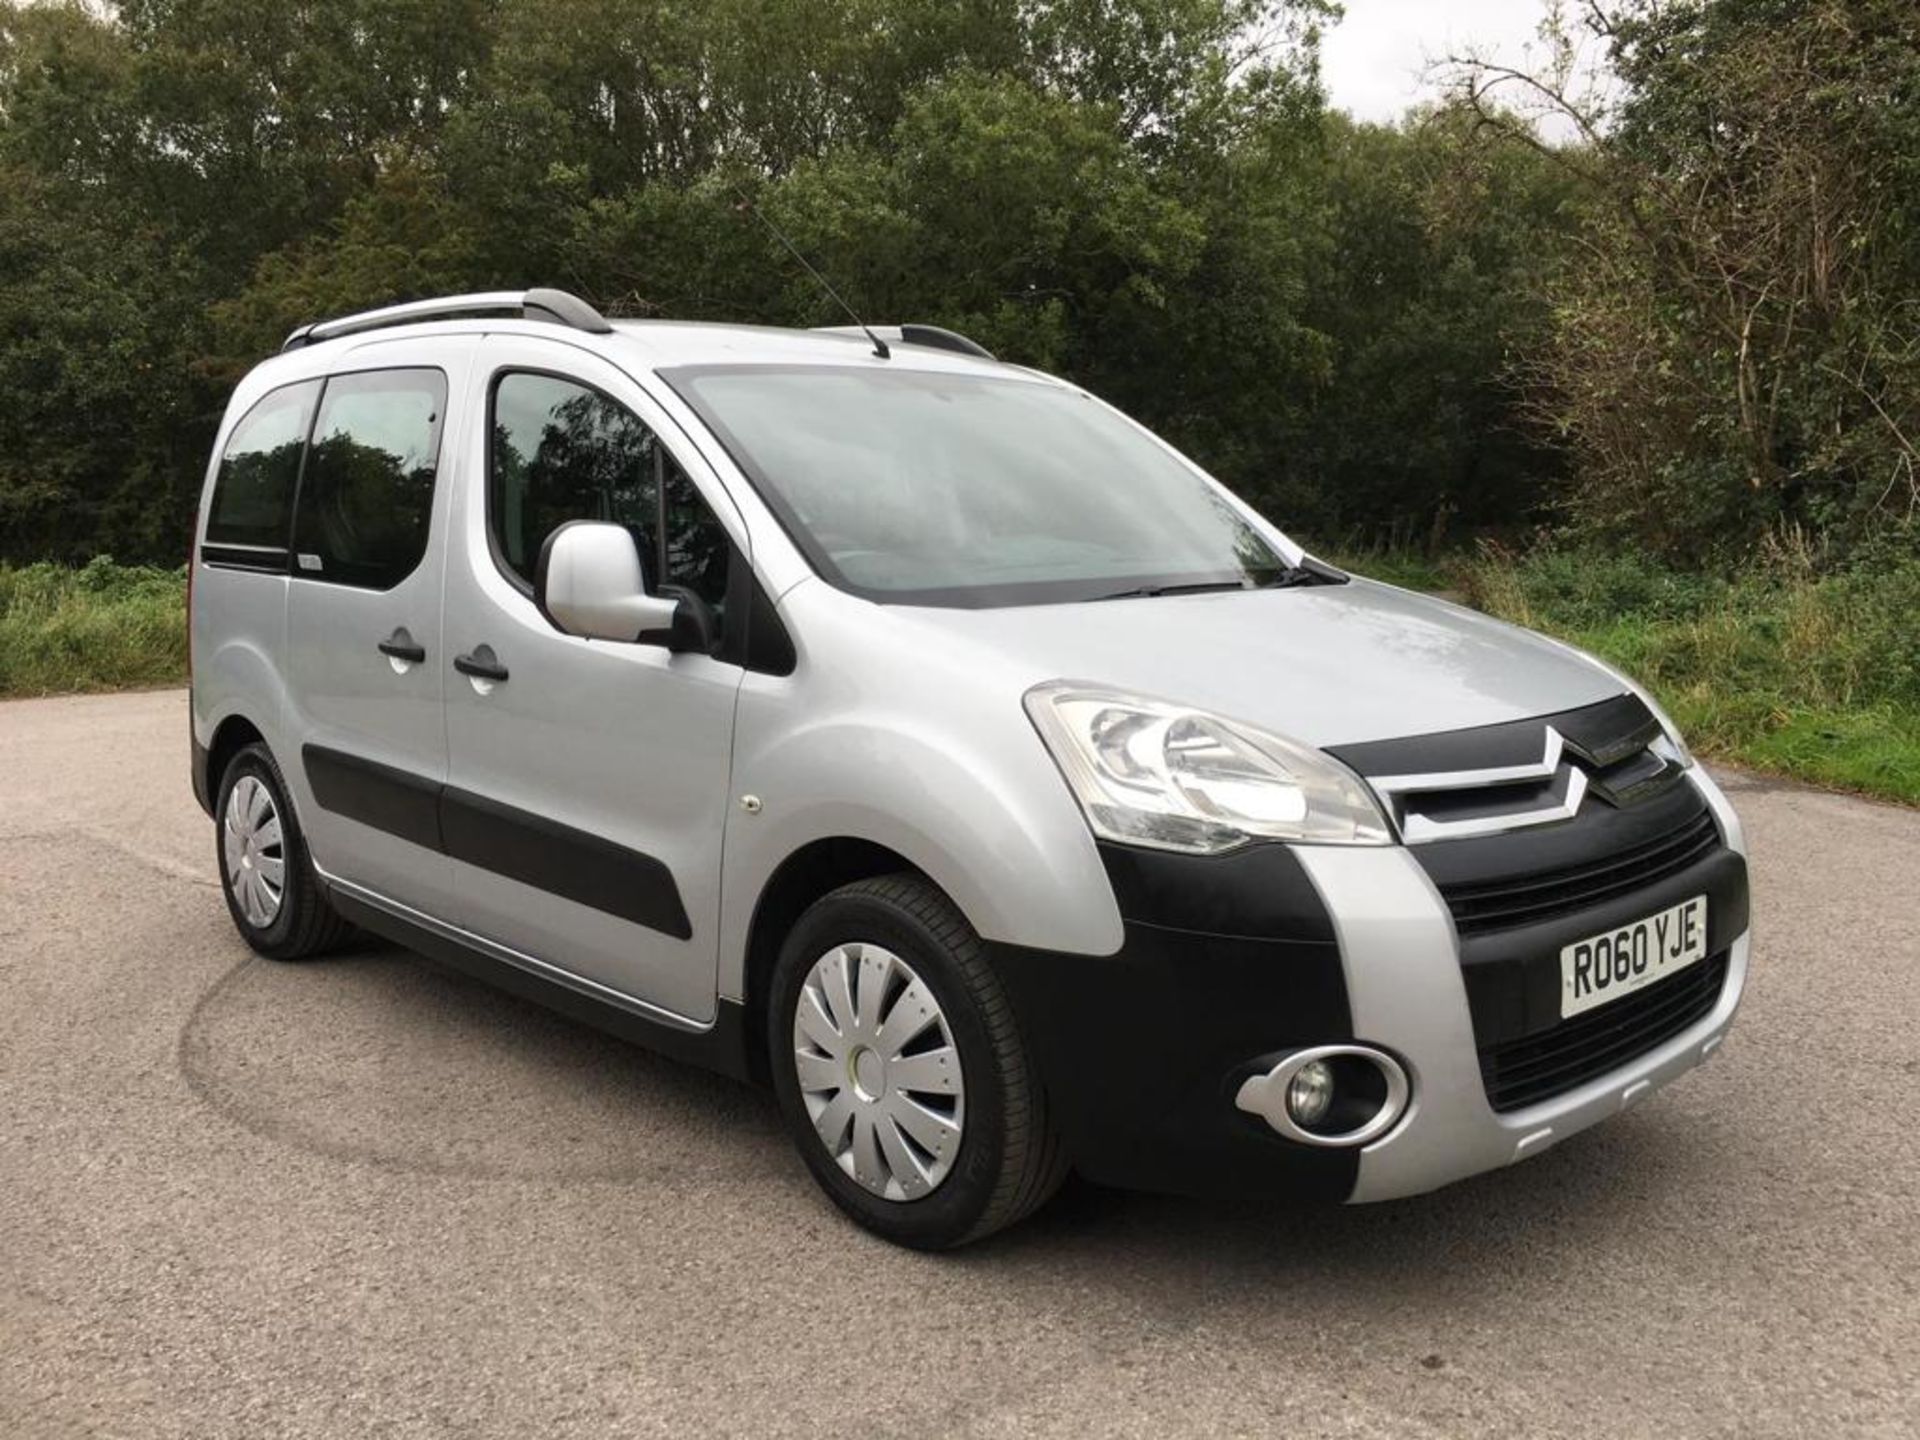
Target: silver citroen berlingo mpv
(916,732)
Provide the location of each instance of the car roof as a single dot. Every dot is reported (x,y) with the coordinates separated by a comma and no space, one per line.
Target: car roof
(638,346)
(655,344)
(683,342)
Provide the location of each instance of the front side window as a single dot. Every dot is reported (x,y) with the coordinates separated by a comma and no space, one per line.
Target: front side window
(564,451)
(253,492)
(366,498)
(933,488)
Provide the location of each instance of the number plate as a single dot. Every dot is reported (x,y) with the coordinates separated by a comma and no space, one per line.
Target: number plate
(1618,962)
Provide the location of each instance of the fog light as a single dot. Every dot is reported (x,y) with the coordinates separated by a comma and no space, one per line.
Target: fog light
(1345,1094)
(1310,1093)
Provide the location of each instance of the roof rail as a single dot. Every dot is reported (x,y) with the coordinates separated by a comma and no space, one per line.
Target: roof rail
(933,337)
(943,339)
(554,305)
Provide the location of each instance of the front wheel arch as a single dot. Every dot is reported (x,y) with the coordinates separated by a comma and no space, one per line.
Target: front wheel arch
(811,873)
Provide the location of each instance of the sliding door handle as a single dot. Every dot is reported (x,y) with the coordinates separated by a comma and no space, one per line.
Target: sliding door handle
(481,664)
(400,646)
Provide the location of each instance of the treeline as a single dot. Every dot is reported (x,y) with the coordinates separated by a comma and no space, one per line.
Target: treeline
(1690,325)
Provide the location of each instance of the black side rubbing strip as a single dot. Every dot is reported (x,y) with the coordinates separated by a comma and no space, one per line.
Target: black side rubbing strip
(396,801)
(517,844)
(562,861)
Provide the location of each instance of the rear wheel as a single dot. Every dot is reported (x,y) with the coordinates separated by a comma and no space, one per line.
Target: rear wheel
(901,1072)
(272,891)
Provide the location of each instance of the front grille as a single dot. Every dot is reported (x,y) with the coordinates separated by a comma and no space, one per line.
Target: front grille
(1538,1067)
(1496,905)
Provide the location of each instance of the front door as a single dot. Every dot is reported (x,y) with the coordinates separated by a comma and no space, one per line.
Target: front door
(364,653)
(587,784)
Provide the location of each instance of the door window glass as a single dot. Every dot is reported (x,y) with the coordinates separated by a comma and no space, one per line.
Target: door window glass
(367,496)
(253,493)
(564,451)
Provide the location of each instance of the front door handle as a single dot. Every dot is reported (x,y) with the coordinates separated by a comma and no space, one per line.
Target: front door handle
(481,664)
(400,646)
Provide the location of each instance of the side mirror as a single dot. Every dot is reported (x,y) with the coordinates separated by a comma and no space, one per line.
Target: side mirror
(589,583)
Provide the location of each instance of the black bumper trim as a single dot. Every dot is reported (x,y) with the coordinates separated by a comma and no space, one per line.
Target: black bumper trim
(1261,892)
(1544,1066)
(1513,975)
(1228,963)
(1512,970)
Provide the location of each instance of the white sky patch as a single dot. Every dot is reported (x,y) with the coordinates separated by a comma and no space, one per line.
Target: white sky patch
(1380,59)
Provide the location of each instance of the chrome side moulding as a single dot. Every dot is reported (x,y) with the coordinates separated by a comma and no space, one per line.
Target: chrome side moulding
(506,955)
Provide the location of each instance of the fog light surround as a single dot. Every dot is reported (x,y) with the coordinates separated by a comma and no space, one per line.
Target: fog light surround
(1330,1095)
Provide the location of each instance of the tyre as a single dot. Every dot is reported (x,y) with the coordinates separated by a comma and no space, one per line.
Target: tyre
(272,892)
(901,1072)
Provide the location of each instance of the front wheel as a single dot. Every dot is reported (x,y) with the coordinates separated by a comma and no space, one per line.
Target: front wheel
(901,1072)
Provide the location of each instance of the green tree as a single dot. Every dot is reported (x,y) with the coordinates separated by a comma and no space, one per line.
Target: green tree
(1736,342)
(1433,288)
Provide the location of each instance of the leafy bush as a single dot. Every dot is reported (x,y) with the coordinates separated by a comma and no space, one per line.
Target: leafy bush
(100,627)
(1816,676)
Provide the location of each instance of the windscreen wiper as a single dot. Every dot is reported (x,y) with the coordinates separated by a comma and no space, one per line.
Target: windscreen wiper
(1147,591)
(1308,572)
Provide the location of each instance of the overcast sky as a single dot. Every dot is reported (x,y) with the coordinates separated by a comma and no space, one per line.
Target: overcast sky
(1372,60)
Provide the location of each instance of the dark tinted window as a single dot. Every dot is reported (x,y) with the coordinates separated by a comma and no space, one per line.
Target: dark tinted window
(367,495)
(253,494)
(563,451)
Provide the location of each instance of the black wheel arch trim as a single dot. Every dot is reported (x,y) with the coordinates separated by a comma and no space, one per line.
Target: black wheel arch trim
(197,772)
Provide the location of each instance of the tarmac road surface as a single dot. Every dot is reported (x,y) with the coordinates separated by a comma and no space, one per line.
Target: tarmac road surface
(366,1197)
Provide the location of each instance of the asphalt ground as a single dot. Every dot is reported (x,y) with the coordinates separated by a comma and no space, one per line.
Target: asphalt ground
(367,1197)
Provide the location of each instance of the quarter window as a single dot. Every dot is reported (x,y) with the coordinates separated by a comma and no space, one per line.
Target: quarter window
(253,493)
(367,496)
(564,451)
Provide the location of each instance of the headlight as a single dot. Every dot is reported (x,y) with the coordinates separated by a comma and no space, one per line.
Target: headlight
(1150,773)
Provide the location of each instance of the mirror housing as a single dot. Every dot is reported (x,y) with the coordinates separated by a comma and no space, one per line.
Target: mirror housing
(590,583)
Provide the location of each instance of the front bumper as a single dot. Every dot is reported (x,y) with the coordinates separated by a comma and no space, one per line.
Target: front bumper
(1231,963)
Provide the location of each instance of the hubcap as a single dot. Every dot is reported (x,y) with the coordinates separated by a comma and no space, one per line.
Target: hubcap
(255,851)
(878,1071)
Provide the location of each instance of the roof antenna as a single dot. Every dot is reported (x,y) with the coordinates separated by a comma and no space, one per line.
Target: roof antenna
(879,345)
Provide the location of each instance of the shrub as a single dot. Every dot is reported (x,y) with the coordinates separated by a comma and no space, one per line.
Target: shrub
(101,627)
(1812,675)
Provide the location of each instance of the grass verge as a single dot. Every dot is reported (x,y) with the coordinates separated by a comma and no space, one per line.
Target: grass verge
(101,627)
(1813,676)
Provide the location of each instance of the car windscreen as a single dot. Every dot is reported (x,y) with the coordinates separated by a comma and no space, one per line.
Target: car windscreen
(935,488)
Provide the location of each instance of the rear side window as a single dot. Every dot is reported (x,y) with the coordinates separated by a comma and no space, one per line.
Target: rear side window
(563,451)
(253,493)
(366,498)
